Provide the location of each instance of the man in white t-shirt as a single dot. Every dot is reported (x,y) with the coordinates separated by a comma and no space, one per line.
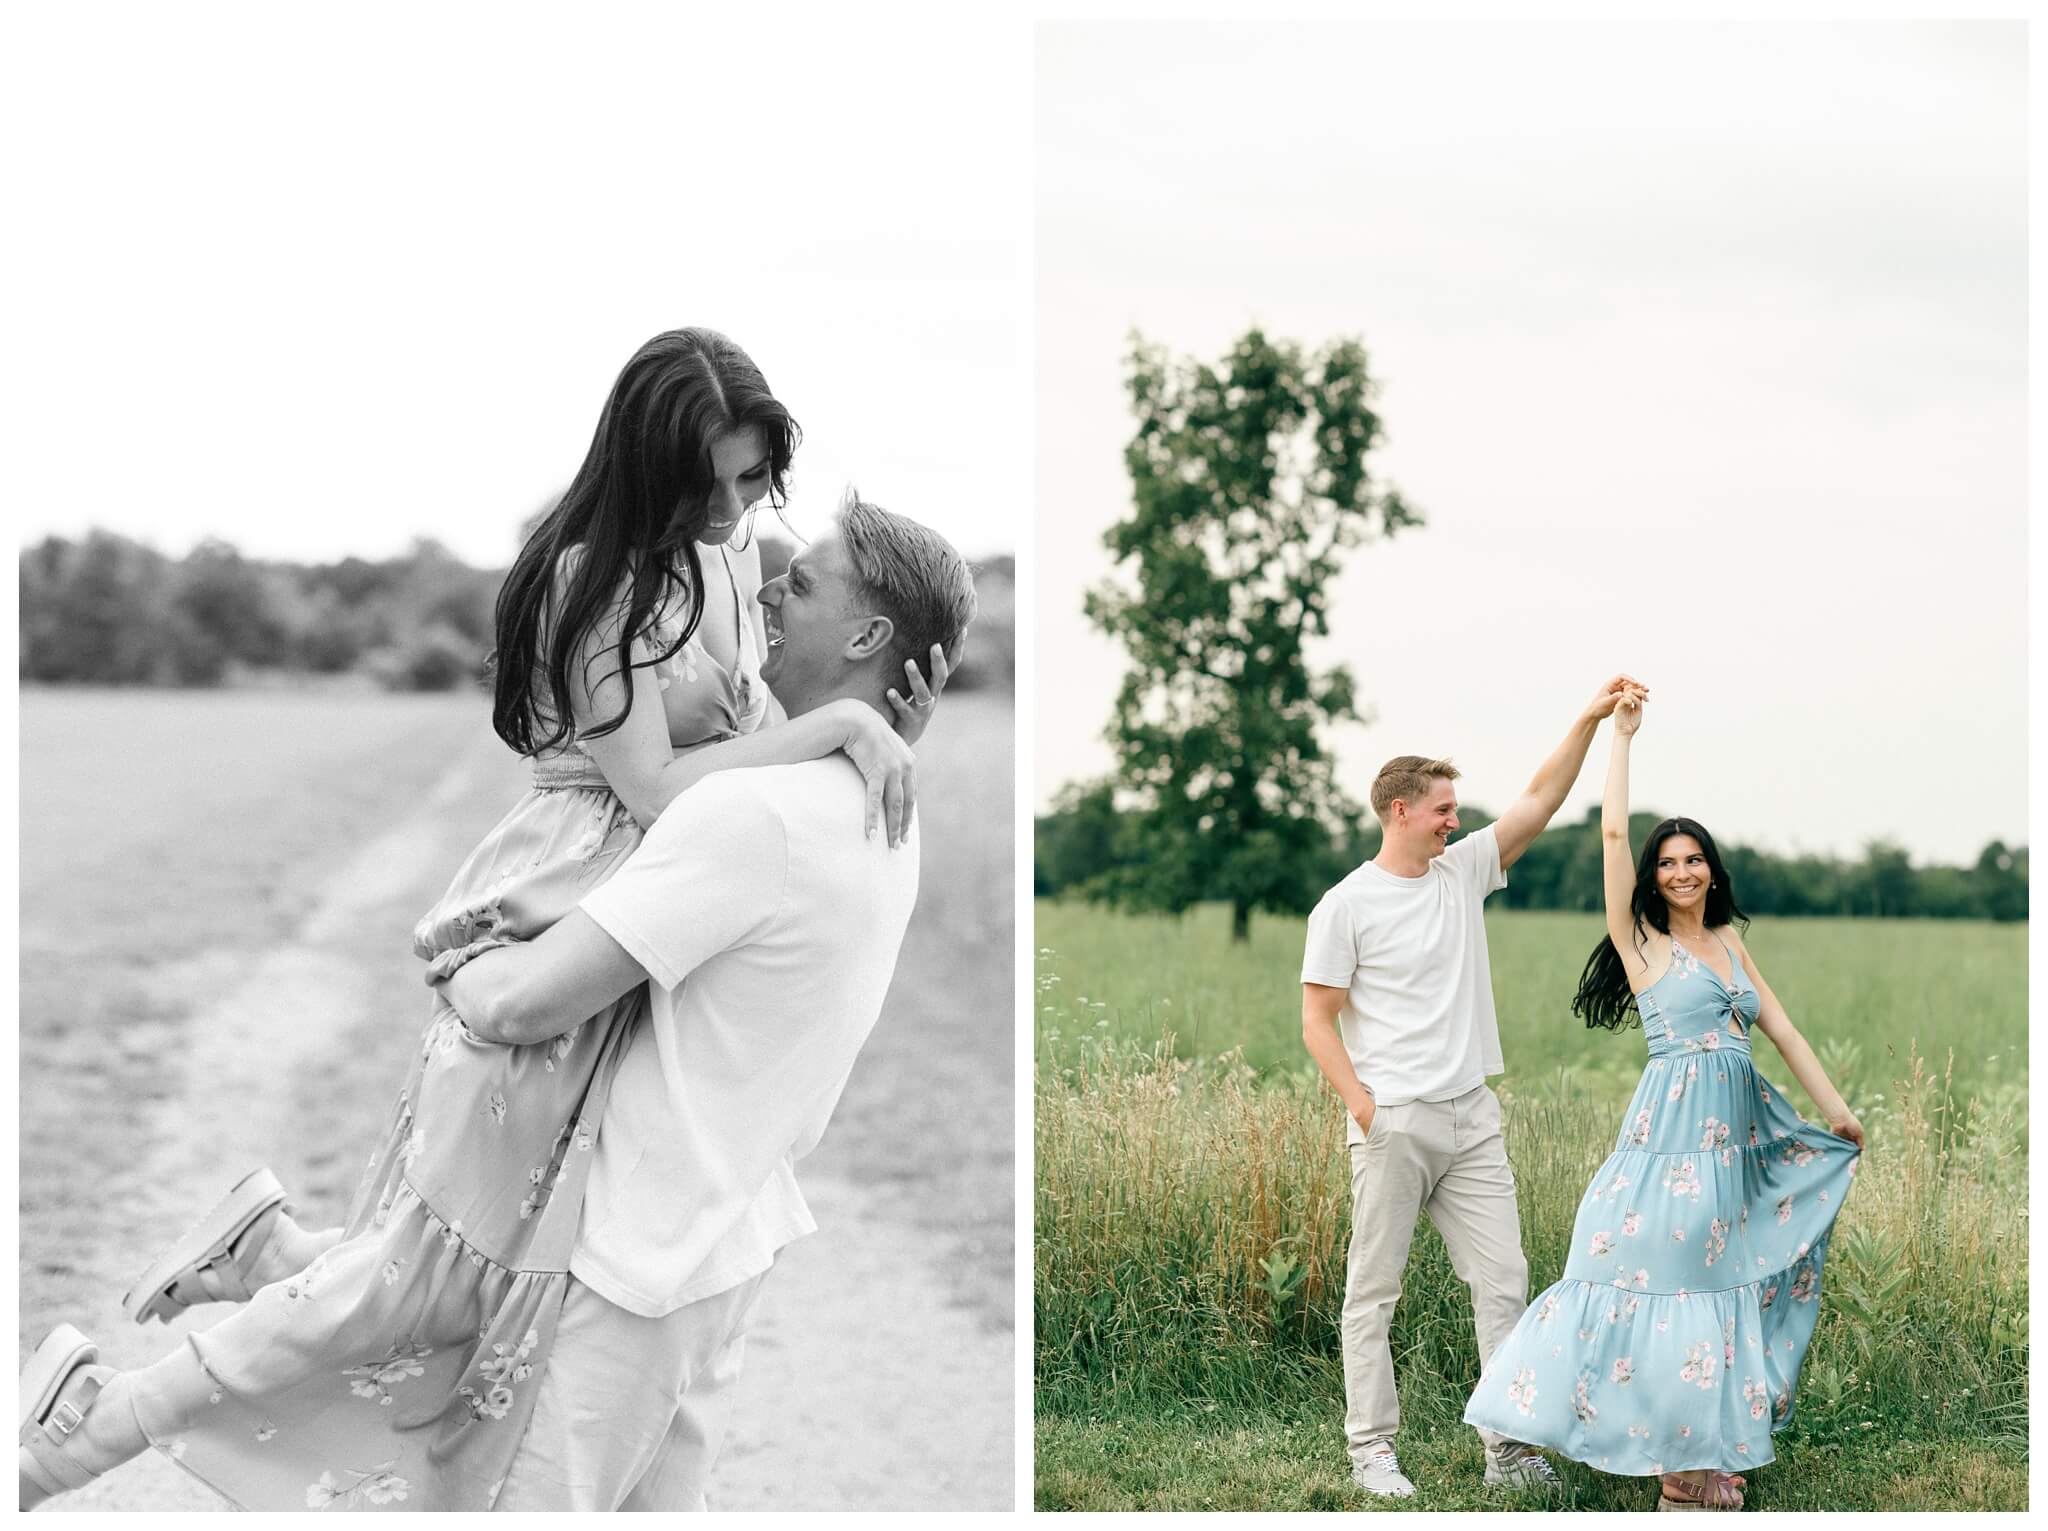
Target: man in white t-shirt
(1397,1011)
(767,922)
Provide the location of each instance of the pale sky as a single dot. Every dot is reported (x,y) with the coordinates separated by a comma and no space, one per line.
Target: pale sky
(1703,347)
(322,282)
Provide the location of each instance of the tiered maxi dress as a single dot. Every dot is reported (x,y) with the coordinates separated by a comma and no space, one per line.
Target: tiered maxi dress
(1674,1340)
(397,1371)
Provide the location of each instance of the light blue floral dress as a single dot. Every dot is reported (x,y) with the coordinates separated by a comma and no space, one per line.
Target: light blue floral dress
(1674,1340)
(397,1371)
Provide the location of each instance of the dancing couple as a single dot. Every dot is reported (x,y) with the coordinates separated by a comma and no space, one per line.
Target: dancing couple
(649,984)
(1671,1347)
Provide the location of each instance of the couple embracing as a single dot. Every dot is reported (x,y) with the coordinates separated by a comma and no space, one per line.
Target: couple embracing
(1671,1346)
(650,982)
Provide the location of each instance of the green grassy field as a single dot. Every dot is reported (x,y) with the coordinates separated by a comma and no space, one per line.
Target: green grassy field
(1863,991)
(1192,1202)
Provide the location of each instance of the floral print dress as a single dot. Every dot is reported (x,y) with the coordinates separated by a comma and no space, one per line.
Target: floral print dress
(1674,1340)
(397,1371)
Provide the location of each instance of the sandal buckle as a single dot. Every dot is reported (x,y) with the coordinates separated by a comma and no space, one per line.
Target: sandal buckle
(66,1418)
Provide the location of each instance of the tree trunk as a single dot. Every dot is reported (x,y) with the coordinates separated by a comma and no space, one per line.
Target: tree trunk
(1240,923)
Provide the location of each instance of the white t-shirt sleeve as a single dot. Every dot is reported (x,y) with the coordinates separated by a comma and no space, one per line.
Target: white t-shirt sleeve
(1330,956)
(709,876)
(1475,861)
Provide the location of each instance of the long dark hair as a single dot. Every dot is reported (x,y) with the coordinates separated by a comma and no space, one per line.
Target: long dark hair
(635,510)
(1604,998)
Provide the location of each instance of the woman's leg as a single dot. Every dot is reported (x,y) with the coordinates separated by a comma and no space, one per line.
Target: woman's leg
(1709,1488)
(272,1248)
(112,1431)
(162,1398)
(283,1247)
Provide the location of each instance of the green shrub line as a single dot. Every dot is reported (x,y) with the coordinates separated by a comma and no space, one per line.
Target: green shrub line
(109,610)
(1088,847)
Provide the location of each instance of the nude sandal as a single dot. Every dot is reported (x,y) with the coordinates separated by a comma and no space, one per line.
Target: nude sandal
(58,1386)
(1710,1490)
(200,1265)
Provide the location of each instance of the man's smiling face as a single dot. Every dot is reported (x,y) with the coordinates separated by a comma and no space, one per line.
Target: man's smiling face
(1435,819)
(811,618)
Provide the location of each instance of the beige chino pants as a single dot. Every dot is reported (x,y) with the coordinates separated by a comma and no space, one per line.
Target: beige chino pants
(632,1411)
(1445,1157)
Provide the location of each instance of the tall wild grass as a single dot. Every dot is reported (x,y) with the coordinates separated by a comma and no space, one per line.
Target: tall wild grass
(1192,1215)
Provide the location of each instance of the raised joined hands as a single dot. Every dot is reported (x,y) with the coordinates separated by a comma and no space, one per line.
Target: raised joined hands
(1611,695)
(1628,710)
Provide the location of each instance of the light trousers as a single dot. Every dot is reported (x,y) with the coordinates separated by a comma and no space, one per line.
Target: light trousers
(632,1412)
(1447,1158)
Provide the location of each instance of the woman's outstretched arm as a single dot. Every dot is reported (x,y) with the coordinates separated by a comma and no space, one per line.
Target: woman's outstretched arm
(1525,818)
(1617,861)
(1774,1023)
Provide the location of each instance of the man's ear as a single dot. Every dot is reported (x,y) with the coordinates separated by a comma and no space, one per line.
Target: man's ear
(870,638)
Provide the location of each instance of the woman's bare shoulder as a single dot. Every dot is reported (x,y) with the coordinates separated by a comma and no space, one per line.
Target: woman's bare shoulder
(1651,959)
(569,563)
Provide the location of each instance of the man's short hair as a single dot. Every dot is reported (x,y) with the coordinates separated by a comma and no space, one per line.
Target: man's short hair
(1407,777)
(914,577)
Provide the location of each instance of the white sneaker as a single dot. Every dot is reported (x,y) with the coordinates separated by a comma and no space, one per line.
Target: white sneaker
(1519,1466)
(1380,1473)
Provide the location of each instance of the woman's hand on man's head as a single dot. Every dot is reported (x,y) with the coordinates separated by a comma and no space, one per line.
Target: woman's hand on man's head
(886,764)
(914,712)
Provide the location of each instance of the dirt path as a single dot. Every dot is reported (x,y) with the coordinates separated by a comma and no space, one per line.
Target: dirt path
(250,1031)
(839,1407)
(870,1382)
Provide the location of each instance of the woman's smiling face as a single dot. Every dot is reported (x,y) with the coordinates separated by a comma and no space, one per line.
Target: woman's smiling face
(1682,872)
(740,473)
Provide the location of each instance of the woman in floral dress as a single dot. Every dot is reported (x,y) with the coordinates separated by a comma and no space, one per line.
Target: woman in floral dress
(1672,1345)
(384,1364)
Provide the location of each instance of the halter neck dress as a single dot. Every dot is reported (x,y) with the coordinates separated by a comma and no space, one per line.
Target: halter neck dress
(1674,1340)
(396,1371)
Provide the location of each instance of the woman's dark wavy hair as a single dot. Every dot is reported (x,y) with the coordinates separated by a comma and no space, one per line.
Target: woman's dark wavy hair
(635,509)
(1604,998)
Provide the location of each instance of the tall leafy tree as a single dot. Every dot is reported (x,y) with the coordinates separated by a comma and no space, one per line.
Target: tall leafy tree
(1249,480)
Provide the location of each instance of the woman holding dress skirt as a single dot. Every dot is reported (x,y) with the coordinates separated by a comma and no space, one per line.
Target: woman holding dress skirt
(1672,1344)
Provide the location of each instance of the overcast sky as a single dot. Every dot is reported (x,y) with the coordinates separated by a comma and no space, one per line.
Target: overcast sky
(1702,347)
(322,282)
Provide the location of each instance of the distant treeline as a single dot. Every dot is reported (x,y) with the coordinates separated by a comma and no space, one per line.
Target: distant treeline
(105,610)
(1082,845)
(110,611)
